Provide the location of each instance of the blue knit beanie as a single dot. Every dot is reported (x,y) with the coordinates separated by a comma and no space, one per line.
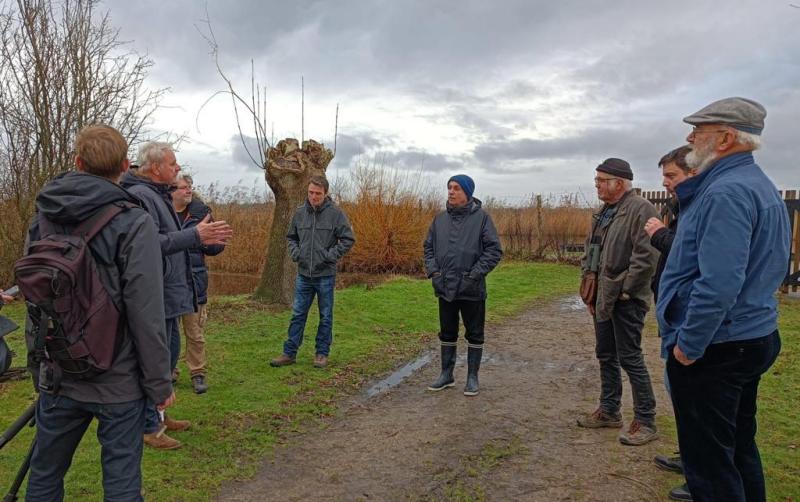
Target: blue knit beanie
(465,182)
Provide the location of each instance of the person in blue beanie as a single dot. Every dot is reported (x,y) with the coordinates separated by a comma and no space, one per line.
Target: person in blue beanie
(461,248)
(716,308)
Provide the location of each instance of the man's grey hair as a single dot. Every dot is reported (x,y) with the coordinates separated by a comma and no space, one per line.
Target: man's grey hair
(151,153)
(182,176)
(748,139)
(628,184)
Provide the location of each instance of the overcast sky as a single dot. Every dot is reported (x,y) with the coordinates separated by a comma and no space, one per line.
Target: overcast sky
(525,96)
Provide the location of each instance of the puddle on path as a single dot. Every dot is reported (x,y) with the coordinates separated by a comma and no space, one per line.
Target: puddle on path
(571,303)
(398,376)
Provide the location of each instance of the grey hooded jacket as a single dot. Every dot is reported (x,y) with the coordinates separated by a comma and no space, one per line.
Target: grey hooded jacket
(462,247)
(128,258)
(179,294)
(318,238)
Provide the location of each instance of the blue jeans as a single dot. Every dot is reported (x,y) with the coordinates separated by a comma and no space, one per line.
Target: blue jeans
(304,291)
(715,411)
(60,425)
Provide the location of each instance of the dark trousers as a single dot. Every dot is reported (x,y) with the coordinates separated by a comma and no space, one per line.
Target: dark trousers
(173,341)
(152,420)
(60,425)
(715,411)
(473,313)
(619,344)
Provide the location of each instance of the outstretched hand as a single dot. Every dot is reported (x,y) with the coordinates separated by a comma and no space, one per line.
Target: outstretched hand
(213,232)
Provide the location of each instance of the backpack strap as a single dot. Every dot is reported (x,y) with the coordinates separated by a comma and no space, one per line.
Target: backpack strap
(90,227)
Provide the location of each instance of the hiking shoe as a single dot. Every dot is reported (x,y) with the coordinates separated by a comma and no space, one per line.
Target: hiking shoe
(672,464)
(320,361)
(599,418)
(199,384)
(160,441)
(176,425)
(681,493)
(638,434)
(283,360)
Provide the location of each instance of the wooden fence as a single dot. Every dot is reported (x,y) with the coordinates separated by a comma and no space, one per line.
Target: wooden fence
(659,198)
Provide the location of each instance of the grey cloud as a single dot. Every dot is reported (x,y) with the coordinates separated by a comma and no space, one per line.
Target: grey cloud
(244,153)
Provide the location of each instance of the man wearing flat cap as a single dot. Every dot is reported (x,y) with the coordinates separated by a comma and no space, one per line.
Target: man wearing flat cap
(460,250)
(617,268)
(716,303)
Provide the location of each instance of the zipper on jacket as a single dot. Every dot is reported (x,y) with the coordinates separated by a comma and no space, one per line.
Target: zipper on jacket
(313,228)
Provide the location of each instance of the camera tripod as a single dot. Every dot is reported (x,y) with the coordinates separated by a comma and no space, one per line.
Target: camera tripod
(27,418)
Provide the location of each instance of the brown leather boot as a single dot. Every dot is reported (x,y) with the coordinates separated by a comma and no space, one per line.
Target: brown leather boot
(283,360)
(160,441)
(320,361)
(176,425)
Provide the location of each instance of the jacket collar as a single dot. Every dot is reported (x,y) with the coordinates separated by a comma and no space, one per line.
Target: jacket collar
(689,189)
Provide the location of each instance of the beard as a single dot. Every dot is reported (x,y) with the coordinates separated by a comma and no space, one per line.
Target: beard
(701,157)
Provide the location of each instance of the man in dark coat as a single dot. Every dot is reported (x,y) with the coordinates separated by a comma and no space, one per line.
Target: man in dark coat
(152,184)
(319,236)
(674,170)
(191,211)
(461,249)
(128,259)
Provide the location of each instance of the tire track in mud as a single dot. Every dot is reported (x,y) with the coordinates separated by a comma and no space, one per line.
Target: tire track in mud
(516,440)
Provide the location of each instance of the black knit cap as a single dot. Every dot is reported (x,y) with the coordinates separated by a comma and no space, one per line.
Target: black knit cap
(616,167)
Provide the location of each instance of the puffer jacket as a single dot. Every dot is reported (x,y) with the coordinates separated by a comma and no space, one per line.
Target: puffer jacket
(128,258)
(461,248)
(179,293)
(318,238)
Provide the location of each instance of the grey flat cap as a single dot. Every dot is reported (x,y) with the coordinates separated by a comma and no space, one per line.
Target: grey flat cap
(740,113)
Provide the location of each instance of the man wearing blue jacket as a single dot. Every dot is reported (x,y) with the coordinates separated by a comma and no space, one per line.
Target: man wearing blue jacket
(716,308)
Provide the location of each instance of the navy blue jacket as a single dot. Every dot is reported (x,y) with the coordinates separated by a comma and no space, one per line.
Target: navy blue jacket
(195,212)
(729,256)
(179,294)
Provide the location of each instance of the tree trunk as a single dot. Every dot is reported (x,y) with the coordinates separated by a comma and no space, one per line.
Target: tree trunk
(288,170)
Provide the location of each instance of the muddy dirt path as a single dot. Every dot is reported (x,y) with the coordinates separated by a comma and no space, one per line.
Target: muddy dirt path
(516,440)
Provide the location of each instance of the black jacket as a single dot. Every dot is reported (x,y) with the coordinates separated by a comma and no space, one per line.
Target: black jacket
(662,241)
(318,238)
(179,293)
(194,214)
(128,257)
(462,247)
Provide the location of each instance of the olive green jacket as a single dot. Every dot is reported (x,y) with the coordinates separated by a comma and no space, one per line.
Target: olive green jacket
(627,260)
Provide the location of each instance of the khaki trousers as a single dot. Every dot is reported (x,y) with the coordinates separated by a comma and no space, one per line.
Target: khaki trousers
(195,354)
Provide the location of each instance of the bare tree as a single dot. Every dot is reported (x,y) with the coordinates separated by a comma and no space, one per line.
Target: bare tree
(287,168)
(62,66)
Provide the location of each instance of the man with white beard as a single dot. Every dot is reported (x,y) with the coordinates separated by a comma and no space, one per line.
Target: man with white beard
(716,304)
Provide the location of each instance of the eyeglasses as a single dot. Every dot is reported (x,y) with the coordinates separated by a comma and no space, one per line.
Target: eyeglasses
(696,131)
(598,181)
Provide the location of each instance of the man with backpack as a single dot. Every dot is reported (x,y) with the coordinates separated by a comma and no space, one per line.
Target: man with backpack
(152,184)
(124,256)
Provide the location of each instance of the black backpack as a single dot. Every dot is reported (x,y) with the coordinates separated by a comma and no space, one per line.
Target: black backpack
(76,325)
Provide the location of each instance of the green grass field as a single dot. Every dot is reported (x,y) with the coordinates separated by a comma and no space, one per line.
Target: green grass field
(251,405)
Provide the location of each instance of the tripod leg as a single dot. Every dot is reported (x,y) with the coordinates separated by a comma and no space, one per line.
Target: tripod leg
(11,496)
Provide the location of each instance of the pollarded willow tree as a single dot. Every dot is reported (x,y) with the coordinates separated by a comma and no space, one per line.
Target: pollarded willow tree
(62,66)
(287,166)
